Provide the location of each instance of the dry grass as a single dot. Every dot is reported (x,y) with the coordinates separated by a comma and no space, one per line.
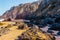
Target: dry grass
(13,33)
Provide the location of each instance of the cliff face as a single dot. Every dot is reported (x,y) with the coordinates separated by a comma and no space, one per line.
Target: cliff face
(21,11)
(45,8)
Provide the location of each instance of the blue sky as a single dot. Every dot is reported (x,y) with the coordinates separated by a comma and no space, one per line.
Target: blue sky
(7,4)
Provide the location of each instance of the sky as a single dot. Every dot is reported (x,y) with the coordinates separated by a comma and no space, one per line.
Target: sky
(7,4)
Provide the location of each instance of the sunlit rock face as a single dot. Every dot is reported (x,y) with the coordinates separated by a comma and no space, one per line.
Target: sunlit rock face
(21,10)
(38,8)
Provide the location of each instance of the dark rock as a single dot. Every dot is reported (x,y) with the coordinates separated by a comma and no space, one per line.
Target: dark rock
(55,26)
(57,20)
(50,31)
(58,33)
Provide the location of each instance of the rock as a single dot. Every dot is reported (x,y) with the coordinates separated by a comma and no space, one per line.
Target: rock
(46,21)
(58,33)
(50,31)
(36,9)
(21,11)
(55,26)
(23,26)
(57,20)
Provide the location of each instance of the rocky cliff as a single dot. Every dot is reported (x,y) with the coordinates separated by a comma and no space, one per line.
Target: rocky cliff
(40,12)
(45,8)
(21,10)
